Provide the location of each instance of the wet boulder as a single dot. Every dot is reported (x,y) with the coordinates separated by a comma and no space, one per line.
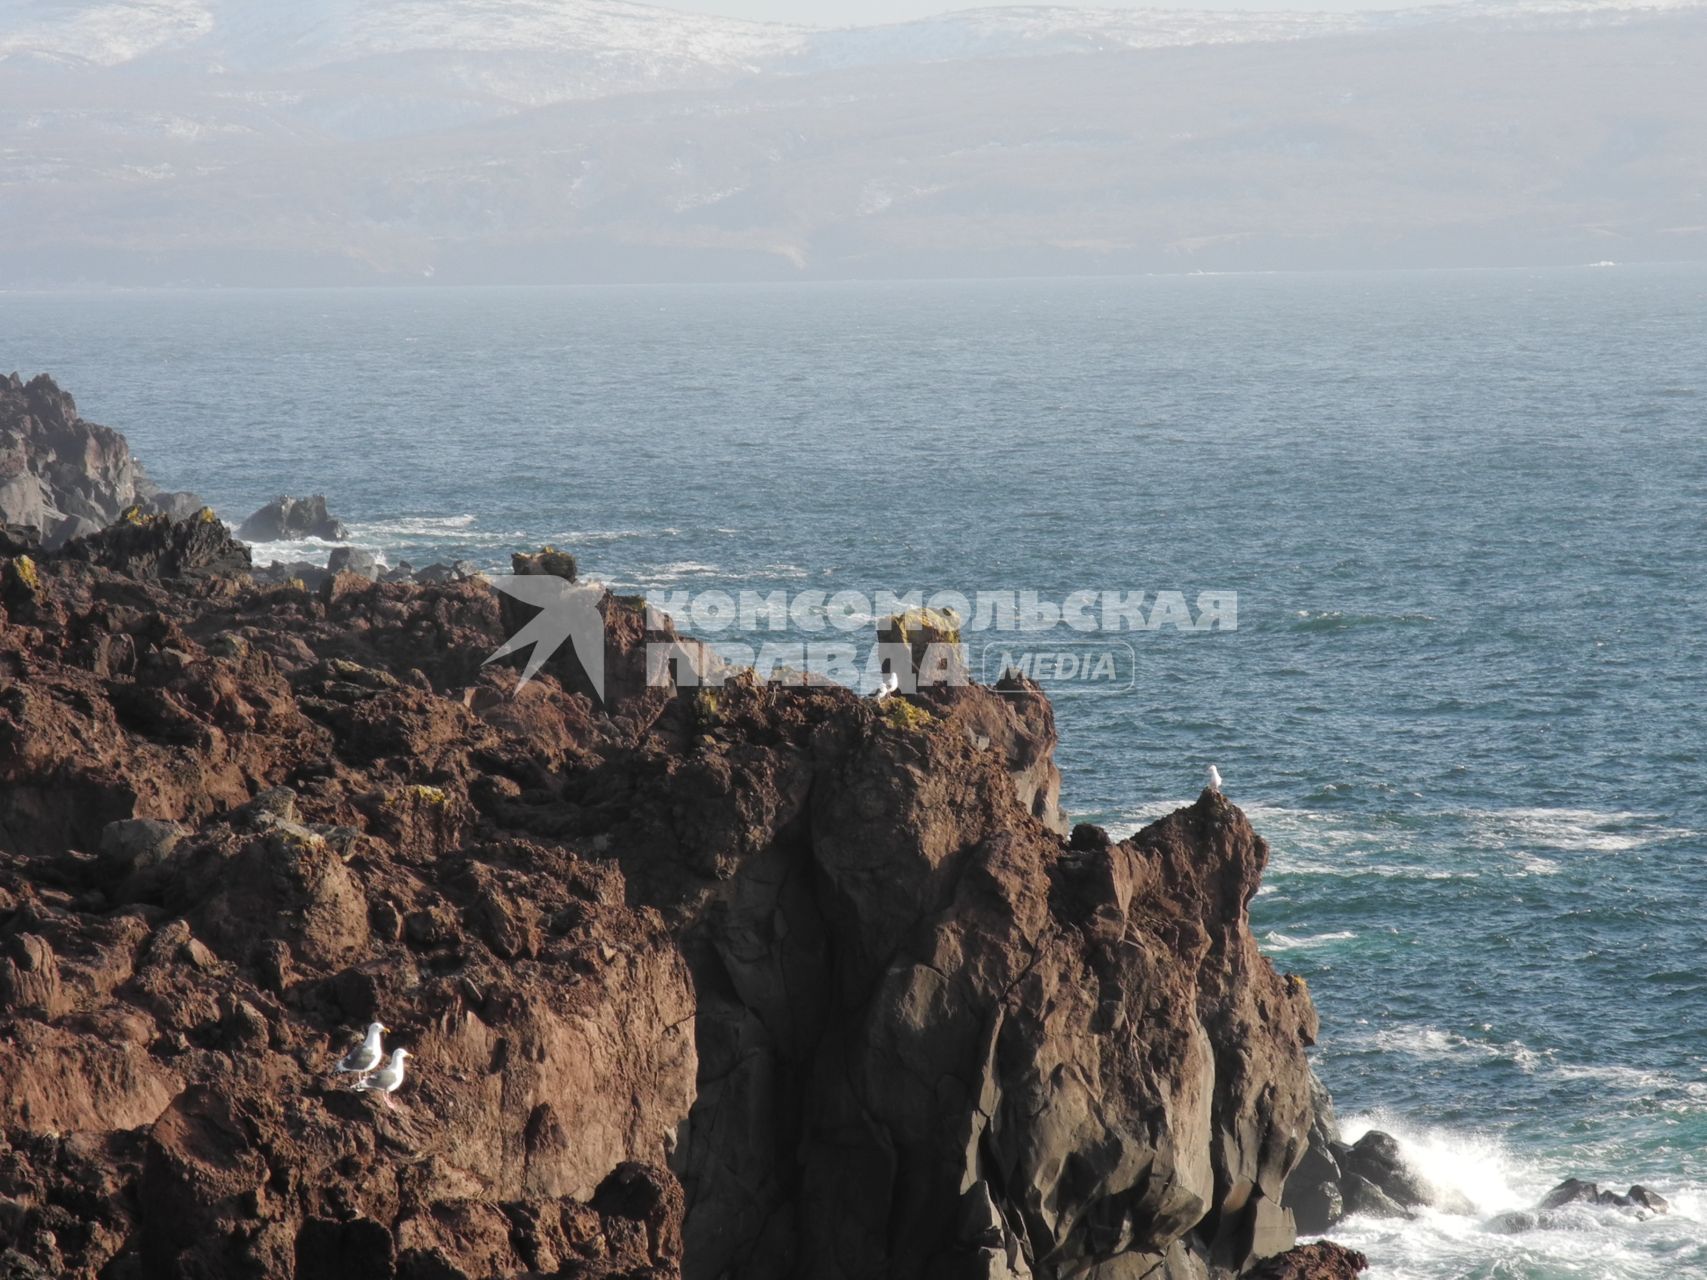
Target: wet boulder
(354,560)
(286,518)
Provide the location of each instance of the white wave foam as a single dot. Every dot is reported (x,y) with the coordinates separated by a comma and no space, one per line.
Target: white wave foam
(1277,941)
(308,550)
(1475,1166)
(1428,1042)
(412,526)
(676,570)
(578,536)
(1578,1243)
(1571,830)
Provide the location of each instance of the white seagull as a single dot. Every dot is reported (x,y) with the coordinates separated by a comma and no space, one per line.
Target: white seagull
(887,685)
(388,1079)
(365,1056)
(1214,778)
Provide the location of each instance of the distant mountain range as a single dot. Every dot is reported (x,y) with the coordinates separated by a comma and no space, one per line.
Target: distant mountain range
(236,141)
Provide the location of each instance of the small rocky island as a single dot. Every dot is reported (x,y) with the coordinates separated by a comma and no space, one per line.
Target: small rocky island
(746,981)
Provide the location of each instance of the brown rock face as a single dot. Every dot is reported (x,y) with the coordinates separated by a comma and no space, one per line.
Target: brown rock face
(740,981)
(1320,1261)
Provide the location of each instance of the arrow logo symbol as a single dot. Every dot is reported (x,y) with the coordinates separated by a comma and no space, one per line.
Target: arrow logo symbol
(567,611)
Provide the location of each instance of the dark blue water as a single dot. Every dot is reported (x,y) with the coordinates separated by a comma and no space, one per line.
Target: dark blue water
(1464,513)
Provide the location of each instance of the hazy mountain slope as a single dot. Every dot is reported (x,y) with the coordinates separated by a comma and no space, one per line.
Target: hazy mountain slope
(613,140)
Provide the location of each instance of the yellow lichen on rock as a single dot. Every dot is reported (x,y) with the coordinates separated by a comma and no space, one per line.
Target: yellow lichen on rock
(905,715)
(24,572)
(940,626)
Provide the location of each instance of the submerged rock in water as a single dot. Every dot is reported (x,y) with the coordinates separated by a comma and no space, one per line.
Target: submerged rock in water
(1639,1202)
(697,981)
(1637,1199)
(285,519)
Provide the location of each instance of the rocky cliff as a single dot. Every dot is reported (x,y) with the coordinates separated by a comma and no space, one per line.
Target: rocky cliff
(746,982)
(63,476)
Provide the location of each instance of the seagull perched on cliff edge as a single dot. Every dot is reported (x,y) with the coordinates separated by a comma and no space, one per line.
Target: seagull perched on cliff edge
(365,1056)
(887,685)
(1214,778)
(388,1079)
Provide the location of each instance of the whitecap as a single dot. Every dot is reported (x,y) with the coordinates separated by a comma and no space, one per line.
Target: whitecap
(1431,1043)
(676,570)
(1277,941)
(577,536)
(1571,830)
(411,526)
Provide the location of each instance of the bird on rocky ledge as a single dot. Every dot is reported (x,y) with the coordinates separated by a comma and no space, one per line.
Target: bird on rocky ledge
(887,685)
(1214,778)
(388,1079)
(365,1056)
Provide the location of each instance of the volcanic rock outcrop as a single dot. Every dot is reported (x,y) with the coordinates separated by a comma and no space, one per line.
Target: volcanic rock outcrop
(285,518)
(733,981)
(64,477)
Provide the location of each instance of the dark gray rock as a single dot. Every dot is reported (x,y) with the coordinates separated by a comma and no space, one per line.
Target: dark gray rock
(1313,1190)
(459,571)
(1377,1159)
(1363,1198)
(1638,1199)
(70,529)
(353,560)
(180,505)
(1514,1223)
(279,572)
(144,546)
(285,518)
(60,474)
(136,853)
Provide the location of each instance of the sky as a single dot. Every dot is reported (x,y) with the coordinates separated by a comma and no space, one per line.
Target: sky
(850,13)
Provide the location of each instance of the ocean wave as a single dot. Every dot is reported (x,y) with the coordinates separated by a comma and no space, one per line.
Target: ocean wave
(675,571)
(1429,1043)
(1277,941)
(1571,830)
(1477,1166)
(1309,620)
(1578,1243)
(315,551)
(578,537)
(411,526)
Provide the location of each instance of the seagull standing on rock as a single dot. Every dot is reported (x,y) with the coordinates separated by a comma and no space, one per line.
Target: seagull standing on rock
(887,685)
(365,1056)
(1214,778)
(388,1079)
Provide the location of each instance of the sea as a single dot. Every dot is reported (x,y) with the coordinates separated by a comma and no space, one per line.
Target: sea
(1463,516)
